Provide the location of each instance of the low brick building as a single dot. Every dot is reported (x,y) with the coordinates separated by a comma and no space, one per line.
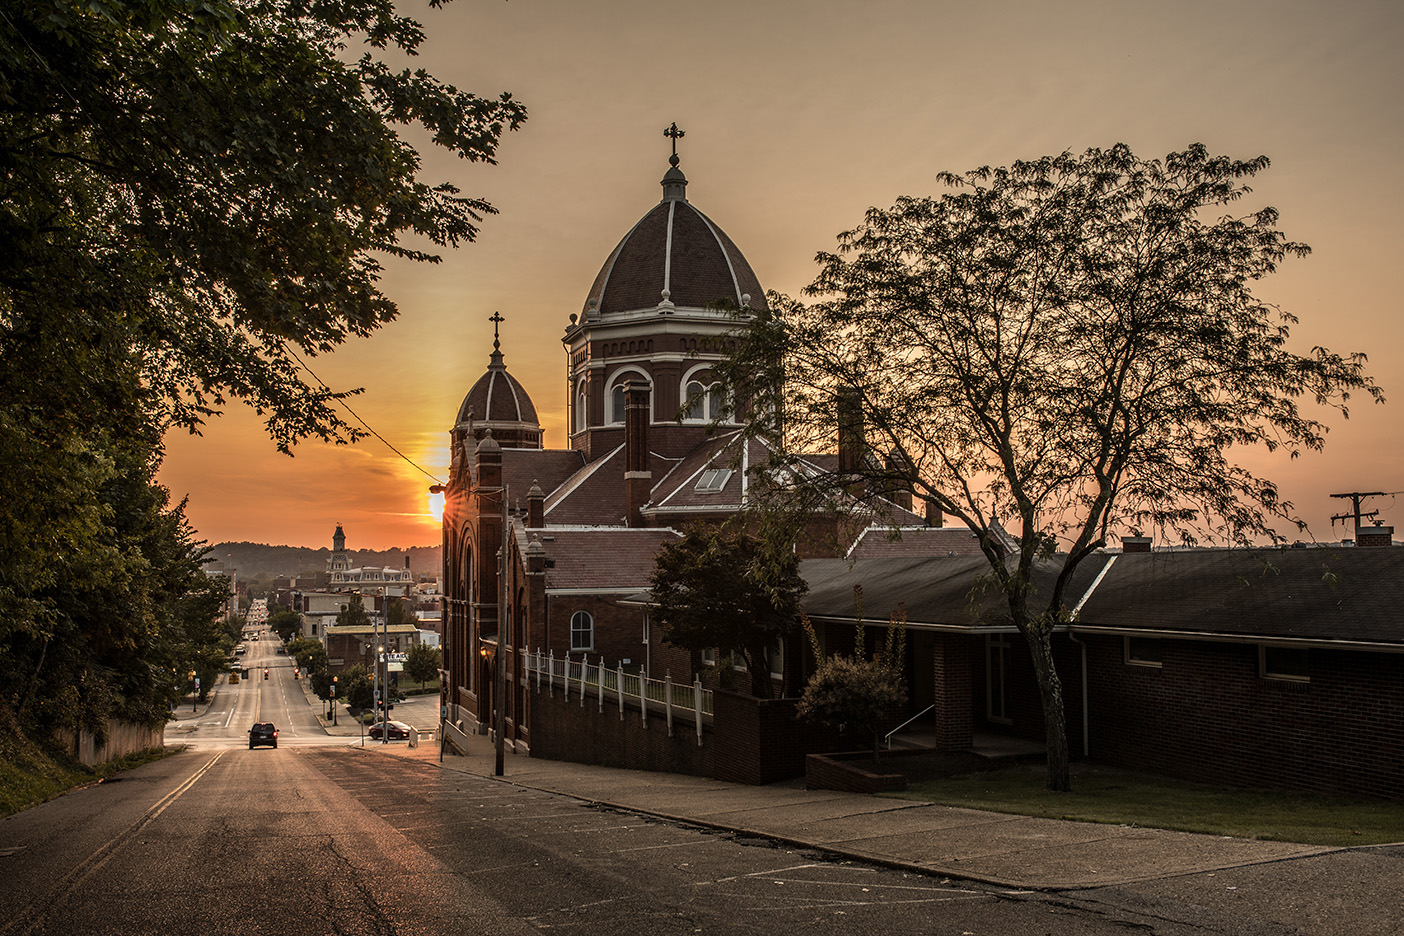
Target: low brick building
(1253,667)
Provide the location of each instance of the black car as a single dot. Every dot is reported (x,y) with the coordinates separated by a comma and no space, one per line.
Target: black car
(263,732)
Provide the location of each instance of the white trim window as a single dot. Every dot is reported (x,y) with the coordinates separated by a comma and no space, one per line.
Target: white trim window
(712,480)
(704,402)
(615,398)
(617,404)
(581,408)
(582,632)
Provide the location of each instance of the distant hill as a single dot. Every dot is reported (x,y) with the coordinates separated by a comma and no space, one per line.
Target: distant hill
(259,559)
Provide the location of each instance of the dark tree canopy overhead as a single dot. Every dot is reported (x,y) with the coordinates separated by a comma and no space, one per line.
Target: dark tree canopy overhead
(1069,347)
(195,196)
(204,189)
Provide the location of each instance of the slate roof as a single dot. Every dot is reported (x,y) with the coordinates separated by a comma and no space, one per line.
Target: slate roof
(677,489)
(547,467)
(677,247)
(1323,596)
(610,559)
(876,542)
(1333,594)
(935,592)
(594,494)
(498,398)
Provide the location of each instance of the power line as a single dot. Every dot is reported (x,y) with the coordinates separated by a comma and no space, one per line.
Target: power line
(344,405)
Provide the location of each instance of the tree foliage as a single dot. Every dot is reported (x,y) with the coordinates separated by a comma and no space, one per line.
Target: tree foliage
(286,624)
(422,663)
(353,613)
(195,197)
(850,692)
(1069,347)
(399,611)
(355,687)
(309,654)
(114,628)
(734,592)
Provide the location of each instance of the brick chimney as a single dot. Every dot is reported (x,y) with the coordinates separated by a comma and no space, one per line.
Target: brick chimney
(1135,544)
(935,516)
(638,479)
(851,442)
(1374,537)
(536,506)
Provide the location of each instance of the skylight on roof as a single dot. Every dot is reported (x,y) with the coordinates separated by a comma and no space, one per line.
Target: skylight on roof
(712,480)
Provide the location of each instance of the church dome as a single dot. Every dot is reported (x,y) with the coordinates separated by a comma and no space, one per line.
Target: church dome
(500,403)
(674,257)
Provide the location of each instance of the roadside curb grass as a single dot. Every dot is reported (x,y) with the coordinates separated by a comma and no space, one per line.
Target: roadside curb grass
(1125,798)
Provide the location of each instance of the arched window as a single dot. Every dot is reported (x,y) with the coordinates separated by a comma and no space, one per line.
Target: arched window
(580,409)
(696,400)
(616,404)
(582,631)
(703,403)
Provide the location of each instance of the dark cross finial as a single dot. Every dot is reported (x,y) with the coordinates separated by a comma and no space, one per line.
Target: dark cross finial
(674,134)
(496,319)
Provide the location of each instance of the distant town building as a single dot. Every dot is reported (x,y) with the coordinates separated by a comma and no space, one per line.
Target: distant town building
(366,580)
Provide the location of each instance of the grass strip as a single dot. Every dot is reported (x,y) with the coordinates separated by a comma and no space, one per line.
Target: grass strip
(1118,797)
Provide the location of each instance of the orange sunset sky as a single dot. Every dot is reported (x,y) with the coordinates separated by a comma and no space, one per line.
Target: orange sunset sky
(799,115)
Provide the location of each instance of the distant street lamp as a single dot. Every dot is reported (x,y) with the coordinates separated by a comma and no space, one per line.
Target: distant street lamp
(195,692)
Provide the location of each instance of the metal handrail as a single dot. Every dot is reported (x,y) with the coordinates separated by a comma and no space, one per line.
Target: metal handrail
(888,737)
(581,674)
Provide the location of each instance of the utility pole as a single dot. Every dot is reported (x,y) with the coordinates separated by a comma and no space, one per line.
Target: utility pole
(1355,498)
(501,720)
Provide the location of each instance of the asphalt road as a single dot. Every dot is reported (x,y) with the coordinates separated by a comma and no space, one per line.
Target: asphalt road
(336,840)
(320,837)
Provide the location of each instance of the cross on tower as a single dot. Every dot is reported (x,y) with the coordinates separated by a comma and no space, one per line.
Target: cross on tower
(674,134)
(496,318)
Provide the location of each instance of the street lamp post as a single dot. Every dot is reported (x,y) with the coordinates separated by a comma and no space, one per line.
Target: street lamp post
(194,692)
(384,693)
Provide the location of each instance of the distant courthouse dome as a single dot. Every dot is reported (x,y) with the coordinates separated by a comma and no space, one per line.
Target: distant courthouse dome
(674,257)
(500,403)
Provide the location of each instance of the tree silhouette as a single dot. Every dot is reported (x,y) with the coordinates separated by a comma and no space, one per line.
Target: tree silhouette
(1067,347)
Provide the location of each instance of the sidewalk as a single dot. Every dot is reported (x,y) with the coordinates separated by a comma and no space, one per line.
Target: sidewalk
(1018,852)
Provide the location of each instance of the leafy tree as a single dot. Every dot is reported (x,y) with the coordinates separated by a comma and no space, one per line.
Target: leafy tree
(422,663)
(211,184)
(353,613)
(195,197)
(355,686)
(1068,347)
(309,654)
(113,628)
(286,624)
(399,611)
(850,692)
(736,592)
(321,682)
(233,628)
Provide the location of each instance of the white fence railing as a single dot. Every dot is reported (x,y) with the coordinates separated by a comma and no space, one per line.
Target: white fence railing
(658,698)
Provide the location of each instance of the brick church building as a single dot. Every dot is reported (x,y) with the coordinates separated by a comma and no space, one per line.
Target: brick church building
(583,524)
